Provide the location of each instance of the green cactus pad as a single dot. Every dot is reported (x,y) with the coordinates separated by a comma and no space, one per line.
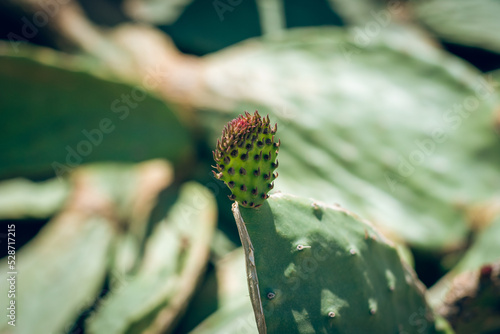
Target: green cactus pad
(314,268)
(55,126)
(246,158)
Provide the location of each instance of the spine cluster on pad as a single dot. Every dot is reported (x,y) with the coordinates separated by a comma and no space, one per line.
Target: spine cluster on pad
(246,158)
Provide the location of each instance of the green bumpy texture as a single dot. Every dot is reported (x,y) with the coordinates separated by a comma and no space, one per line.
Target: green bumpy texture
(246,159)
(321,269)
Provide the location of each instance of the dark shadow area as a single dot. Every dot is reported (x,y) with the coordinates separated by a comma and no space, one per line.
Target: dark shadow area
(26,230)
(428,266)
(17,27)
(204,27)
(317,13)
(104,12)
(483,59)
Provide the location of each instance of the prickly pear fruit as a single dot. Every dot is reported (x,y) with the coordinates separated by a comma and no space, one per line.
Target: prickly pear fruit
(315,268)
(246,158)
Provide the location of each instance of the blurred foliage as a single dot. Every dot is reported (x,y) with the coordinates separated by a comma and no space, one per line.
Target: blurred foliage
(464,22)
(22,198)
(412,106)
(111,109)
(153,296)
(68,117)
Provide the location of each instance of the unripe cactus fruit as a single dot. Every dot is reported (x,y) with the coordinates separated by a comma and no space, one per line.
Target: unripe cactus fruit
(246,158)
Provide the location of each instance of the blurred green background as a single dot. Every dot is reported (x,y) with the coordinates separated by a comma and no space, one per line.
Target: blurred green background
(110,110)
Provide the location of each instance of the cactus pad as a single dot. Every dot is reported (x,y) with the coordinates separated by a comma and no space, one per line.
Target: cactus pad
(314,268)
(246,158)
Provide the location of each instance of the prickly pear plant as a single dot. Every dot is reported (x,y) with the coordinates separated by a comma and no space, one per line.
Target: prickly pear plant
(311,268)
(314,268)
(246,158)
(364,158)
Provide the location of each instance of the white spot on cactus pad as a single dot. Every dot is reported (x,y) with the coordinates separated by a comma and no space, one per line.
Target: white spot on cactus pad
(301,247)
